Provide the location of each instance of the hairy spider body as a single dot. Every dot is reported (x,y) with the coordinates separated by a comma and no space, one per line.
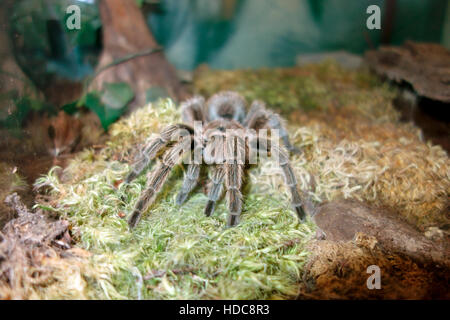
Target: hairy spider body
(220,134)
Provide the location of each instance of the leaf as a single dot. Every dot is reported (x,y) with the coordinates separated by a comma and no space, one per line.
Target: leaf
(110,103)
(117,95)
(87,36)
(70,108)
(92,102)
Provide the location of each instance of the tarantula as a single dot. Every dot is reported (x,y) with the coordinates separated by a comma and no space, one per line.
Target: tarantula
(223,113)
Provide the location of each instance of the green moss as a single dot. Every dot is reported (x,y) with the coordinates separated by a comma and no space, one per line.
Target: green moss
(318,86)
(177,251)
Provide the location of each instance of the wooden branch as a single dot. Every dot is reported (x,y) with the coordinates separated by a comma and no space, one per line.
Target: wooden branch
(125,32)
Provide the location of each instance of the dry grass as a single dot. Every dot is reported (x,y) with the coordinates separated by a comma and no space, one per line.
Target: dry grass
(383,162)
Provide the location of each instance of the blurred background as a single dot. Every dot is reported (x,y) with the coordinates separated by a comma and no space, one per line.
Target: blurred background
(225,34)
(253,33)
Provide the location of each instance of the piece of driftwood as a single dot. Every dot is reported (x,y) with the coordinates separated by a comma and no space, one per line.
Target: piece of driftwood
(342,220)
(125,32)
(33,228)
(24,242)
(425,66)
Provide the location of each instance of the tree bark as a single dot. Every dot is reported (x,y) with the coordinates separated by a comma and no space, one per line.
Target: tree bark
(125,32)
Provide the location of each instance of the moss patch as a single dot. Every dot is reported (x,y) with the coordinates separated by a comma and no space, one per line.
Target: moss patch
(175,252)
(309,87)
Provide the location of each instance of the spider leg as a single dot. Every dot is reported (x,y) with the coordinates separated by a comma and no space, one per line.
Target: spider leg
(275,122)
(189,182)
(257,109)
(290,180)
(217,177)
(234,169)
(259,117)
(157,179)
(154,146)
(192,173)
(193,109)
(233,182)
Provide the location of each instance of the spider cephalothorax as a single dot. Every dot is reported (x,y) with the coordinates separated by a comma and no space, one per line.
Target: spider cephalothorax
(218,133)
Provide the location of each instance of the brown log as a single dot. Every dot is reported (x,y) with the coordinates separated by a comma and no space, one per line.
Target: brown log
(125,32)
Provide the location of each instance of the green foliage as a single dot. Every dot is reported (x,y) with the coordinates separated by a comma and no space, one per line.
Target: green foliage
(110,103)
(70,108)
(43,45)
(87,35)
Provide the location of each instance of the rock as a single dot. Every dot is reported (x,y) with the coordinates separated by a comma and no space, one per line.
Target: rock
(342,220)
